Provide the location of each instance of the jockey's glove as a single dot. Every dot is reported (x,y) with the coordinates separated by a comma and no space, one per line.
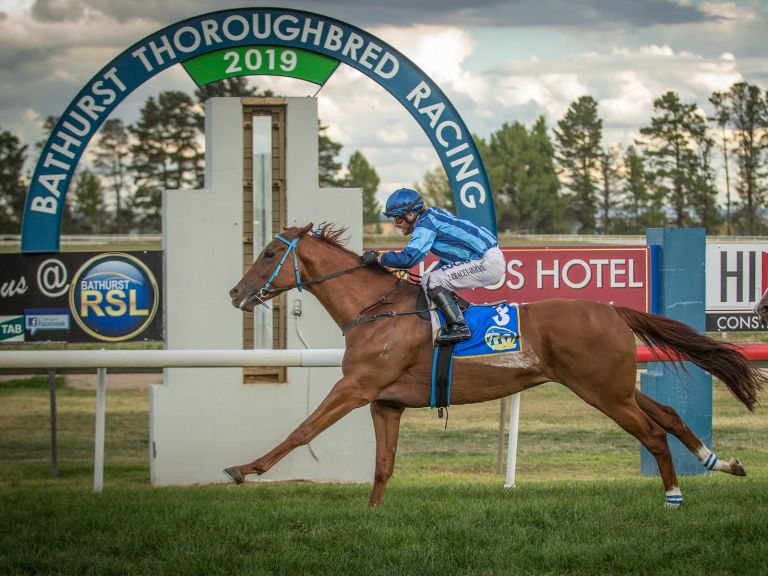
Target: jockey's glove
(369,257)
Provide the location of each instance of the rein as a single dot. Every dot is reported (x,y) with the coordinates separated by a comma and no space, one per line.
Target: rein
(267,289)
(381,301)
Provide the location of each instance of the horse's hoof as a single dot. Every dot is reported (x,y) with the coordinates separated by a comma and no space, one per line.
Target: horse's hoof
(673,505)
(736,468)
(234,474)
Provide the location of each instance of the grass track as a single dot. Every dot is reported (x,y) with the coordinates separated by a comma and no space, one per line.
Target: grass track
(580,508)
(426,527)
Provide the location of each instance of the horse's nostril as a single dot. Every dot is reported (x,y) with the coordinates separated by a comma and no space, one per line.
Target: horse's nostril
(233,293)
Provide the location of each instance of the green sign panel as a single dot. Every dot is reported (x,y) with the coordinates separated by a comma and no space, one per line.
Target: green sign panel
(11,328)
(261,60)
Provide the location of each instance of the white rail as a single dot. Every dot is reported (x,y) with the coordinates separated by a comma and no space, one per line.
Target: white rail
(169,358)
(105,359)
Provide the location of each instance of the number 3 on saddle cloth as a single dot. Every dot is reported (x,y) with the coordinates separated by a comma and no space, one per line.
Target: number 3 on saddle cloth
(495,330)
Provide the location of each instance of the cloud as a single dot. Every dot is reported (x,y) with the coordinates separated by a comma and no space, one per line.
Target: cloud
(716,76)
(552,92)
(632,105)
(441,52)
(58,10)
(624,81)
(563,13)
(728,11)
(654,50)
(390,136)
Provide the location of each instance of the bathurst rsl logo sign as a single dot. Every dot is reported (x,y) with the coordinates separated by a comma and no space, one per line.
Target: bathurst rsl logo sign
(81,297)
(113,297)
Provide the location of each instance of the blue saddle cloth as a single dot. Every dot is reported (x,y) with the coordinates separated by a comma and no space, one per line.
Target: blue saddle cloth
(495,330)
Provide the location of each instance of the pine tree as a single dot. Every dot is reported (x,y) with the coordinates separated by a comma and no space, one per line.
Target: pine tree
(635,202)
(110,158)
(362,175)
(548,214)
(88,212)
(609,191)
(166,153)
(329,167)
(12,182)
(578,143)
(436,189)
(47,127)
(703,192)
(749,119)
(520,166)
(672,142)
(722,118)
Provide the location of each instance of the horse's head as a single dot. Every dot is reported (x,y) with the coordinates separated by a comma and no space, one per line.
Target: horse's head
(275,268)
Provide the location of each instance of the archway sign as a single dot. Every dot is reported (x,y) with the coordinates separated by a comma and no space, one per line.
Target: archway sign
(229,36)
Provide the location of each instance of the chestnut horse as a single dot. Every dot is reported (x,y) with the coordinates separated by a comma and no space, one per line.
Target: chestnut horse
(587,346)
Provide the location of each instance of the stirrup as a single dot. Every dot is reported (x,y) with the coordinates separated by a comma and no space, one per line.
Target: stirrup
(455,333)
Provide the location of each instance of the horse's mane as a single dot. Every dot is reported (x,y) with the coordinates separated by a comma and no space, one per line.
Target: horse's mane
(332,234)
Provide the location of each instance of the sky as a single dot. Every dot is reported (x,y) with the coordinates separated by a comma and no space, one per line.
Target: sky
(497,61)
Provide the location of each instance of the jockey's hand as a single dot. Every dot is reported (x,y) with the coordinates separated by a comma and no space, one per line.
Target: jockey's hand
(370,257)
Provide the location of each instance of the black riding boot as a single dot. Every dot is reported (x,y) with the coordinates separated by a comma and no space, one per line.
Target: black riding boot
(456,328)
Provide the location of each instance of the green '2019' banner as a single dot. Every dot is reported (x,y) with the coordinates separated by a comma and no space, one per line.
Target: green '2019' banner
(261,60)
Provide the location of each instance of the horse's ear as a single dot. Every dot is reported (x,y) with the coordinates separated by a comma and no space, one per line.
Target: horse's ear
(303,231)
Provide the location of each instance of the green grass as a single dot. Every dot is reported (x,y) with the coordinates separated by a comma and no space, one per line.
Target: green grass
(439,527)
(580,507)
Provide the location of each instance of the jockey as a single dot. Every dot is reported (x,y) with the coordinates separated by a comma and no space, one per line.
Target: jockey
(469,255)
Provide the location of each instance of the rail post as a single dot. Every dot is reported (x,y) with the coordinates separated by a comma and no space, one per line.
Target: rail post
(681,297)
(101,423)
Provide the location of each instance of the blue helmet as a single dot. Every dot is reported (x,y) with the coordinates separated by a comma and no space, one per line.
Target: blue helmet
(402,201)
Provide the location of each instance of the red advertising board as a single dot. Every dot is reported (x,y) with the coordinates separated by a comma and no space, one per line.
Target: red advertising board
(619,275)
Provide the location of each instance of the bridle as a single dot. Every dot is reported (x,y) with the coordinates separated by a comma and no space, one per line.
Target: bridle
(268,290)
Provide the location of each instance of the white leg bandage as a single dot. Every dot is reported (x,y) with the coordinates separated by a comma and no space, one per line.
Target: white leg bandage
(708,459)
(674,498)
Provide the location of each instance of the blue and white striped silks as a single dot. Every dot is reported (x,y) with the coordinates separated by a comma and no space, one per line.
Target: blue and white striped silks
(448,237)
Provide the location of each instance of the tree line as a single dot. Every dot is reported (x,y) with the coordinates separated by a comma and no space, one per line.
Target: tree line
(545,181)
(120,190)
(568,180)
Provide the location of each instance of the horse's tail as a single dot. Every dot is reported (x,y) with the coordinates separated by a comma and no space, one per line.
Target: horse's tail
(721,359)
